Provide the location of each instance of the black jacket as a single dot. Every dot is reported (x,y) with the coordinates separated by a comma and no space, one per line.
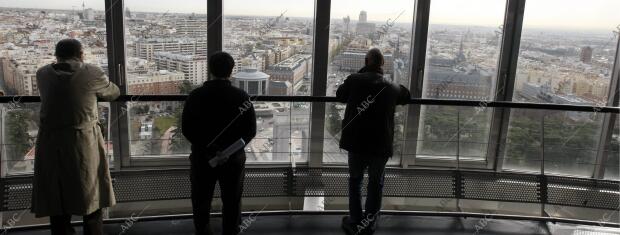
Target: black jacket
(215,116)
(368,124)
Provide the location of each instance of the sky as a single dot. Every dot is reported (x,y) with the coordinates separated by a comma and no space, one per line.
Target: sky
(560,14)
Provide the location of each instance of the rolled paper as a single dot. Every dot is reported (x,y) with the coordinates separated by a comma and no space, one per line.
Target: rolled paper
(223,156)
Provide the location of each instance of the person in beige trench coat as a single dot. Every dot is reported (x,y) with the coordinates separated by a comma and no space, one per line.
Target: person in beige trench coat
(71,173)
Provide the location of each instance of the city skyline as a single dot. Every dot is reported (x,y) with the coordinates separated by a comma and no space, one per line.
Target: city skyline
(166,52)
(600,17)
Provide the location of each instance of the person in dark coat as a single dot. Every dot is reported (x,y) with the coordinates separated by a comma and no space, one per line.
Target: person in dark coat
(367,135)
(71,172)
(215,116)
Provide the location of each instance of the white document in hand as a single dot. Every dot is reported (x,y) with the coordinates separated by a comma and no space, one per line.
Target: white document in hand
(223,156)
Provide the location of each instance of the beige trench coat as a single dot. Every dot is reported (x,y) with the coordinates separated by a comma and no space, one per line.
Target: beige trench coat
(71,174)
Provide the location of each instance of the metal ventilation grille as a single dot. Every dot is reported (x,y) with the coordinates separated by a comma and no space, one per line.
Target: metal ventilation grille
(398,182)
(265,182)
(16,195)
(419,183)
(151,185)
(583,192)
(329,182)
(299,182)
(500,187)
(175,184)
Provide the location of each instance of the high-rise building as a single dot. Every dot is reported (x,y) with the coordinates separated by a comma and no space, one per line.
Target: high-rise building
(460,56)
(127,12)
(19,74)
(282,53)
(155,82)
(346,21)
(363,27)
(147,48)
(586,54)
(192,26)
(193,67)
(89,14)
(363,17)
(353,60)
(292,70)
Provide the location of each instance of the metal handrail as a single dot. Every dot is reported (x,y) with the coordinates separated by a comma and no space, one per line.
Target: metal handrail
(324,99)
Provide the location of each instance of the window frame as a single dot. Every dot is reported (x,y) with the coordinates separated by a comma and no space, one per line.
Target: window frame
(506,73)
(500,119)
(513,18)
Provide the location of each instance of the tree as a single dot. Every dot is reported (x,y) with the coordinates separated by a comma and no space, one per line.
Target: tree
(140,109)
(18,138)
(186,87)
(333,120)
(399,131)
(438,128)
(523,140)
(179,144)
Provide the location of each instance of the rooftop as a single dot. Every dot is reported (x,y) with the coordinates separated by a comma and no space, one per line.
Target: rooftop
(177,56)
(251,74)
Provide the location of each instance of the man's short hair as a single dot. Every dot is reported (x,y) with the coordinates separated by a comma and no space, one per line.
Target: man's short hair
(68,48)
(221,64)
(374,58)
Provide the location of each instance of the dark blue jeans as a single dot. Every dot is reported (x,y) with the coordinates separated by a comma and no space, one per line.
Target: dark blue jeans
(358,163)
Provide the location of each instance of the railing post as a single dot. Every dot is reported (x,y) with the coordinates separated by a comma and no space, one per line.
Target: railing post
(543,177)
(3,155)
(290,182)
(542,145)
(2,195)
(458,138)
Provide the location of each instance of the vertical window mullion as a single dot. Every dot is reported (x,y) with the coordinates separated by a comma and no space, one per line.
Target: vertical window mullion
(418,59)
(609,119)
(214,28)
(116,63)
(511,39)
(319,80)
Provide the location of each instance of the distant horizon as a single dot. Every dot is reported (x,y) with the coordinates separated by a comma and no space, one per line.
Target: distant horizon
(448,21)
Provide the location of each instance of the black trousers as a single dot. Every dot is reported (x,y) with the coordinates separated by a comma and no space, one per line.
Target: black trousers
(203,178)
(358,163)
(93,224)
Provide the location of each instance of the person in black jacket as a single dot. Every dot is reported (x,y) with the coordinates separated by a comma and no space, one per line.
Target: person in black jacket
(215,116)
(367,135)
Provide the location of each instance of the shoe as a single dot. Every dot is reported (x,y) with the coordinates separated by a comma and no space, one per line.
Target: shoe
(361,230)
(368,225)
(349,226)
(372,224)
(367,231)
